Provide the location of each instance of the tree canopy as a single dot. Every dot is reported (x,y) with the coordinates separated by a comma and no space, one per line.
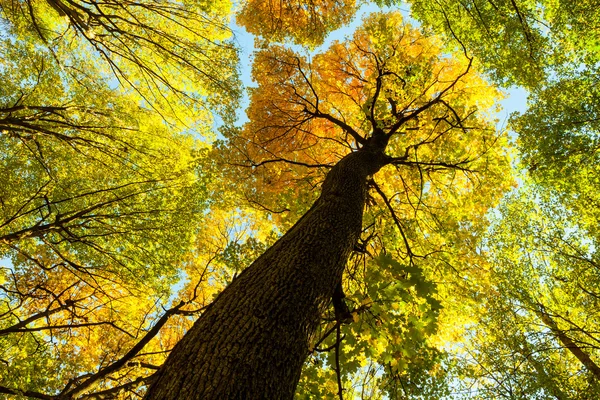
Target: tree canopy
(130,198)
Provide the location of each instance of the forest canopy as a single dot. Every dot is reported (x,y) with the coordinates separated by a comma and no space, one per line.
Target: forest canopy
(418,245)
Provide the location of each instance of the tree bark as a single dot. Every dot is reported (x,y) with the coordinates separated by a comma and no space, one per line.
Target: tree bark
(252,341)
(569,344)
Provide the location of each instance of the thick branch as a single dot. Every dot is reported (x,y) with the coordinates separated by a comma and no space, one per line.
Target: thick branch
(275,160)
(22,326)
(402,161)
(345,127)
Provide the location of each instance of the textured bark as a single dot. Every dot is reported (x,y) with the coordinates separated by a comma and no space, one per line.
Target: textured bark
(569,344)
(252,341)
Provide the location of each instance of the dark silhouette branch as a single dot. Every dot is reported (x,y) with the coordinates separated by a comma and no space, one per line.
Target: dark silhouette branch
(318,114)
(434,166)
(345,127)
(284,160)
(337,368)
(112,393)
(104,372)
(263,207)
(385,199)
(27,393)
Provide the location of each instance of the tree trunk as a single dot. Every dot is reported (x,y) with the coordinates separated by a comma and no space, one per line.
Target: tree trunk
(569,344)
(252,341)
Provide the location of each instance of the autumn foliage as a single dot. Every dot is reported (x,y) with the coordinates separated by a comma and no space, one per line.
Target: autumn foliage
(130,198)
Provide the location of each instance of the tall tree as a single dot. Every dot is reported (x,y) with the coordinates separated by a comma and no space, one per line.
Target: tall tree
(385,103)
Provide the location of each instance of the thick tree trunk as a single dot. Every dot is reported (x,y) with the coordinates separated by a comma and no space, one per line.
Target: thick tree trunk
(252,341)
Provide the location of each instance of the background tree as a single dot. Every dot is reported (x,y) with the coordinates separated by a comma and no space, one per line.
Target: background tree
(305,24)
(301,22)
(542,300)
(173,56)
(103,186)
(544,246)
(520,42)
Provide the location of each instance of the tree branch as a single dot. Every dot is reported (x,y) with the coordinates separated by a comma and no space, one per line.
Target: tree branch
(395,218)
(92,381)
(338,371)
(28,393)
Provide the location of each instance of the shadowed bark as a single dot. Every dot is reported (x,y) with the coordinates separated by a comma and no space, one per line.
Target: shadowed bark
(252,341)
